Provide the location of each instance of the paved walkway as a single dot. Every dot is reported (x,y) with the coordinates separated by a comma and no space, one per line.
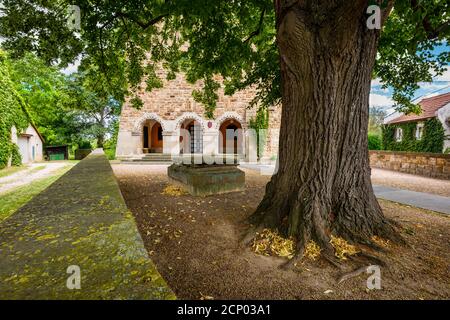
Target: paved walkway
(81,220)
(422,200)
(407,181)
(34,171)
(416,199)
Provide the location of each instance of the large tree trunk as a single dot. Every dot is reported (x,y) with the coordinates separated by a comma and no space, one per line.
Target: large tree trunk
(323,185)
(100,140)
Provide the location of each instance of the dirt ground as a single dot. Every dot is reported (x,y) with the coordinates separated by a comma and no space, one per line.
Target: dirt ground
(411,182)
(194,243)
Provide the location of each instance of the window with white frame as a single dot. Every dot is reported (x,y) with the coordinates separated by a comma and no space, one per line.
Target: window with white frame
(398,134)
(419,130)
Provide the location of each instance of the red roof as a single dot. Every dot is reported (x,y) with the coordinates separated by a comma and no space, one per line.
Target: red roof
(429,107)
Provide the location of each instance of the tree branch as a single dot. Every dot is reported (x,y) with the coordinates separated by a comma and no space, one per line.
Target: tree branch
(258,30)
(143,25)
(432,32)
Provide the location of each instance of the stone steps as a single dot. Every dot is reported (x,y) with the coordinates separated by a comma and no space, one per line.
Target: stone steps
(149,158)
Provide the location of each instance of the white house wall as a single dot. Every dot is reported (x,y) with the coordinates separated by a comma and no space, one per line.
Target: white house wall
(443,115)
(26,142)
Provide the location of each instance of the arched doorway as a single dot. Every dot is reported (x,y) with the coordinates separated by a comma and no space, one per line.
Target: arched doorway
(152,141)
(191,137)
(230,141)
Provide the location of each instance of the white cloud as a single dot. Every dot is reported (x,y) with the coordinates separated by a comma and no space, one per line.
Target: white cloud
(376,82)
(433,85)
(71,68)
(378,100)
(444,77)
(376,86)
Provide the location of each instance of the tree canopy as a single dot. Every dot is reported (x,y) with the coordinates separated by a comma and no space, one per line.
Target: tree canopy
(67,109)
(203,38)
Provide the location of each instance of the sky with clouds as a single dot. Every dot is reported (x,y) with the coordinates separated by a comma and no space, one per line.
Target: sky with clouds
(382,98)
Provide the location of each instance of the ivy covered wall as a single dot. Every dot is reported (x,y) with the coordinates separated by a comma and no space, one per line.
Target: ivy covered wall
(432,138)
(12,113)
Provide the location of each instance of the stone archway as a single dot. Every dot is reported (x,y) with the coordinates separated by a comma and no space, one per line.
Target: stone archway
(230,115)
(191,137)
(150,128)
(231,137)
(145,117)
(152,137)
(189,116)
(190,127)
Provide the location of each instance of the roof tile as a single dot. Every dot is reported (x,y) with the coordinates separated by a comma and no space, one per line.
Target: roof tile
(429,107)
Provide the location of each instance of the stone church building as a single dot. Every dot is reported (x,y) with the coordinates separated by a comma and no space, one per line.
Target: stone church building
(171,123)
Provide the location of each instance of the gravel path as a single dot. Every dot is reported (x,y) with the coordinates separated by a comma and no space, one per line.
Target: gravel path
(29,175)
(410,182)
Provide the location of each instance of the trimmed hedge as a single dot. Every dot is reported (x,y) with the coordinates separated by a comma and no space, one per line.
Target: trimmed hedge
(432,138)
(12,113)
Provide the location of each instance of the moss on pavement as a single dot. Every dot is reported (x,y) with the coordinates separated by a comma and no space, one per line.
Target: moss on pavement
(13,199)
(81,220)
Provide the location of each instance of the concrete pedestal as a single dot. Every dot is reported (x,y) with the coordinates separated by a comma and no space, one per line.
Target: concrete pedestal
(204,180)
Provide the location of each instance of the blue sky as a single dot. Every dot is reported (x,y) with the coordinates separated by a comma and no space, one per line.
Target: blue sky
(380,97)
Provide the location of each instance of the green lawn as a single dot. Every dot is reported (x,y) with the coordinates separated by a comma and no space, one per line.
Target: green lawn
(14,199)
(11,170)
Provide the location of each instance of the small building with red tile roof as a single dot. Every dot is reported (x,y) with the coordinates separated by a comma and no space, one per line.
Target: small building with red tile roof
(432,107)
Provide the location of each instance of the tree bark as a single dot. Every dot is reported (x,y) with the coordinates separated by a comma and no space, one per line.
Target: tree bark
(323,184)
(100,140)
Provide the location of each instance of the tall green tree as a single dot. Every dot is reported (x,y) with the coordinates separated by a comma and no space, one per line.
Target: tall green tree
(98,99)
(315,56)
(67,108)
(44,88)
(376,120)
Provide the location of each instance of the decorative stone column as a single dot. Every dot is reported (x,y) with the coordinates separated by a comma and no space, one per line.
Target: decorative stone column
(128,144)
(211,142)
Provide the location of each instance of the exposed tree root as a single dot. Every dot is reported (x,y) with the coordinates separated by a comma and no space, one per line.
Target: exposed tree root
(248,236)
(332,260)
(327,252)
(352,274)
(297,257)
(311,215)
(372,259)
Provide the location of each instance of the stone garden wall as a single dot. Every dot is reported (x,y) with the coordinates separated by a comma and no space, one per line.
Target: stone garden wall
(433,165)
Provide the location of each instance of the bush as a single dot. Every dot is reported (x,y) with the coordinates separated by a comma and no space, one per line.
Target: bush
(4,154)
(374,141)
(84,145)
(109,147)
(110,153)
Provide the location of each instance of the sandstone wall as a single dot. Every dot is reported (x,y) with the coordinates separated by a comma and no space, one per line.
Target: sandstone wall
(173,103)
(175,98)
(433,165)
